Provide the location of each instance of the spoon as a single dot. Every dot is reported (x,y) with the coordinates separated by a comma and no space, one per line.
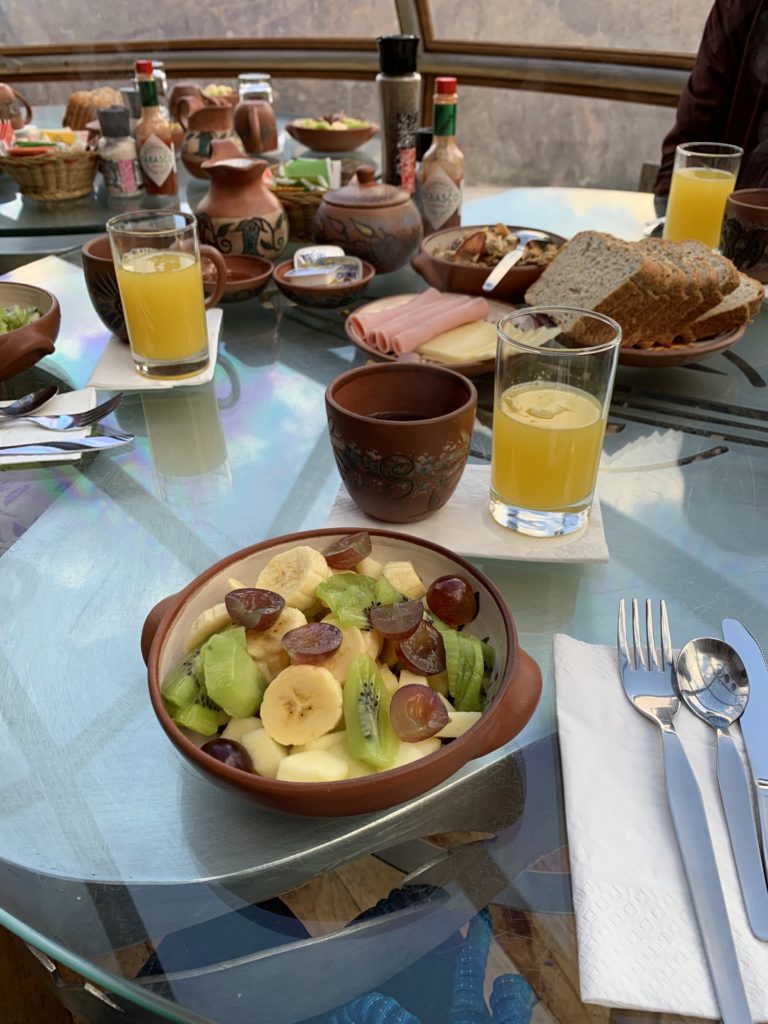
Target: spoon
(511,258)
(27,403)
(713,683)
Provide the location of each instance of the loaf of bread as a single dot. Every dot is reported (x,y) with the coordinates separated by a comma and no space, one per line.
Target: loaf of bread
(662,293)
(83,104)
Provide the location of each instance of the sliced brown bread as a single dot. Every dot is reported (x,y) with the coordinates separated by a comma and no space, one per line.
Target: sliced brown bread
(737,308)
(681,296)
(599,272)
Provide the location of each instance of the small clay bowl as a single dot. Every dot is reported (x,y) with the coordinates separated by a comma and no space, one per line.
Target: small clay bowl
(745,231)
(514,689)
(330,141)
(400,433)
(101,282)
(23,347)
(247,276)
(321,296)
(448,276)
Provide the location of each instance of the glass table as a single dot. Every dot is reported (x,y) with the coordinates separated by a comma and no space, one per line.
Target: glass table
(175,900)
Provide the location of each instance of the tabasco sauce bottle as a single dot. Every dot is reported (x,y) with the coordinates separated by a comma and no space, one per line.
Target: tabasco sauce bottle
(443,164)
(154,137)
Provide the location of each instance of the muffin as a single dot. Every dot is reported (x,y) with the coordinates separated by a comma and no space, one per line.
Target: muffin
(82,106)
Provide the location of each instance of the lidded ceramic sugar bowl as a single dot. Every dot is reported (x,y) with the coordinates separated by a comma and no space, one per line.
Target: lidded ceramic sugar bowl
(377,222)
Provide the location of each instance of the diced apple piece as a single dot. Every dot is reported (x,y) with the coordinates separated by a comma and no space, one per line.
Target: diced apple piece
(373,642)
(238,727)
(408,678)
(267,756)
(408,752)
(370,567)
(313,766)
(327,742)
(388,678)
(439,683)
(459,722)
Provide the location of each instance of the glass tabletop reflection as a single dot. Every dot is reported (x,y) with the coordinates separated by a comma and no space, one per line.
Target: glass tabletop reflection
(110,844)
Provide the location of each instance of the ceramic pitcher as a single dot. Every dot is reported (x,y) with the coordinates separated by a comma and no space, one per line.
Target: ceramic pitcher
(11,101)
(204,121)
(239,214)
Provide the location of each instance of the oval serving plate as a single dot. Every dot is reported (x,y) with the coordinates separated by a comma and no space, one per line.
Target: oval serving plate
(496,310)
(680,355)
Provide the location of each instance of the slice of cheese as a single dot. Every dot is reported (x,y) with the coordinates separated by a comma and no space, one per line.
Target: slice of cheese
(464,344)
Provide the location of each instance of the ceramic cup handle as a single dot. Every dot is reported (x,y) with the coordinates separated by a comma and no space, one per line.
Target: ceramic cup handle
(23,99)
(221,274)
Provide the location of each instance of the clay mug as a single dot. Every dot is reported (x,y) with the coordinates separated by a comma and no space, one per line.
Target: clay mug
(203,122)
(256,124)
(103,291)
(745,231)
(400,434)
(10,106)
(183,90)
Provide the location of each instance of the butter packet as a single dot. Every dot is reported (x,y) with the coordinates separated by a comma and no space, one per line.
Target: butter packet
(329,271)
(310,255)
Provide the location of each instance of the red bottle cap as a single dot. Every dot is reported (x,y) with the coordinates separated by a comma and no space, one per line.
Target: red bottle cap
(144,67)
(445,86)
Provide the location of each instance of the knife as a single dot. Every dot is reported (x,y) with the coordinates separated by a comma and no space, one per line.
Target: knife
(754,720)
(83,444)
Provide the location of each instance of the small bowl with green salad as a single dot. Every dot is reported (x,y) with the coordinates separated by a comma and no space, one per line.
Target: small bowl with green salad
(29,325)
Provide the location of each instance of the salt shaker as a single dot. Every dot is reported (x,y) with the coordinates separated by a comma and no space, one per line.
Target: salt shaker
(118,157)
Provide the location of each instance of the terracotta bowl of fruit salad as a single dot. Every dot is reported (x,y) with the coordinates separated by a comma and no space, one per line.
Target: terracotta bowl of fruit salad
(332,133)
(337,672)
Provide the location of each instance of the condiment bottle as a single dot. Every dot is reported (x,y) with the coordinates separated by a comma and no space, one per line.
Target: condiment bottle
(400,99)
(443,164)
(118,156)
(423,142)
(154,137)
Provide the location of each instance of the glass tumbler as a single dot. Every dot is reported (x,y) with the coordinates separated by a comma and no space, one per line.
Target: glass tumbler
(703,176)
(555,368)
(157,263)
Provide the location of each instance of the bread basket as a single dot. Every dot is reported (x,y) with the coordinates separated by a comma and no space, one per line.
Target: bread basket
(56,175)
(300,206)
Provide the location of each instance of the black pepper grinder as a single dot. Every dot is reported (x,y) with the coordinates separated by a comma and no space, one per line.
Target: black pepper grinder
(400,99)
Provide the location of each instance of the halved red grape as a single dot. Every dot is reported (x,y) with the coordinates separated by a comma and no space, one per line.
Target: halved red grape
(424,651)
(229,752)
(346,552)
(313,643)
(417,712)
(452,600)
(396,621)
(254,608)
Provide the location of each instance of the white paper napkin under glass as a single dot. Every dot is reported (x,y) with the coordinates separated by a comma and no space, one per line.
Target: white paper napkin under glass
(638,942)
(465,525)
(23,432)
(115,370)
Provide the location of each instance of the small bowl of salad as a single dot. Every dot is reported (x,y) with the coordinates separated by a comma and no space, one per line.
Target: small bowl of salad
(29,325)
(337,672)
(332,133)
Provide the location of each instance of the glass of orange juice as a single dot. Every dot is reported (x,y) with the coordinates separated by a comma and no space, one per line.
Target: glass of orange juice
(703,176)
(157,262)
(555,367)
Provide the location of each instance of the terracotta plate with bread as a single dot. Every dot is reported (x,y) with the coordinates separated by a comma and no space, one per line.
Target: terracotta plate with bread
(677,302)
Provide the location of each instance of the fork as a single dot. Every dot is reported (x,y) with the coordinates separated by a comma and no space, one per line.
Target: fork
(72,421)
(649,686)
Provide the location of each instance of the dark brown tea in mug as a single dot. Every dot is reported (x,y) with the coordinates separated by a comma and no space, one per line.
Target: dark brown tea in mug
(409,417)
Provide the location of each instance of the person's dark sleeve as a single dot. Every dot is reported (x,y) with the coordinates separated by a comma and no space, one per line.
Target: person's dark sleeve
(702,111)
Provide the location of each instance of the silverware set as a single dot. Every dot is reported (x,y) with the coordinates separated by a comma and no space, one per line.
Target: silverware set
(712,677)
(20,410)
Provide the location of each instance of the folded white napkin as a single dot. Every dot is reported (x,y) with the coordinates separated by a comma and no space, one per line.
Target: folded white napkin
(638,941)
(22,432)
(115,370)
(465,525)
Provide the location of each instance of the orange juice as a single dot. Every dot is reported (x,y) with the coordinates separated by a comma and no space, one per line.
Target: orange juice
(696,205)
(546,446)
(162,293)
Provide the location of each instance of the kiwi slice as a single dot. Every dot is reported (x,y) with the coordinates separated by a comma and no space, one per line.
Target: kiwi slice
(232,679)
(465,667)
(199,719)
(385,593)
(370,736)
(182,684)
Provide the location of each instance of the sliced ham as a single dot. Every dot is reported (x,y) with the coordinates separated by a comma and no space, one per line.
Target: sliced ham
(406,327)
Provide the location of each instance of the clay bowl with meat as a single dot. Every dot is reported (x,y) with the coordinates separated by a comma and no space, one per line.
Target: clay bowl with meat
(447,273)
(512,688)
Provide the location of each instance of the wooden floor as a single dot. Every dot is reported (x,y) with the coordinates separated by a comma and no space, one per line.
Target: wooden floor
(540,947)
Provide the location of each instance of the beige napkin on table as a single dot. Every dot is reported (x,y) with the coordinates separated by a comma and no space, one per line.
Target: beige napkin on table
(638,942)
(465,525)
(23,432)
(115,370)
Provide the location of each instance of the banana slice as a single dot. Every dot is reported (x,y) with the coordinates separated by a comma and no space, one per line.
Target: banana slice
(388,678)
(353,643)
(313,766)
(370,567)
(295,575)
(266,755)
(266,643)
(211,621)
(408,678)
(235,584)
(374,641)
(239,727)
(301,704)
(459,722)
(404,578)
